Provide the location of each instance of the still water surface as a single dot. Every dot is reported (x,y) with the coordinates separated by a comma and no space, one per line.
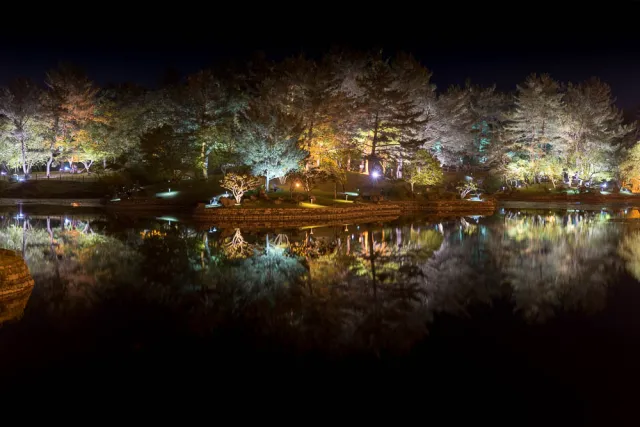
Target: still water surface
(523,292)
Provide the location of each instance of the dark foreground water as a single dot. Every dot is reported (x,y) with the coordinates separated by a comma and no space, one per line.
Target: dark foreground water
(527,312)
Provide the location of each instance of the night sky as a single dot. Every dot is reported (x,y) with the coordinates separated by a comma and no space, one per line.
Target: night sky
(484,43)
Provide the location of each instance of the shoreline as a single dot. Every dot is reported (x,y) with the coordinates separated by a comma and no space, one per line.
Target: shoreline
(278,215)
(76,202)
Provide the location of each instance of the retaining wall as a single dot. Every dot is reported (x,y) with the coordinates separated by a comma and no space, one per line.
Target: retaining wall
(448,206)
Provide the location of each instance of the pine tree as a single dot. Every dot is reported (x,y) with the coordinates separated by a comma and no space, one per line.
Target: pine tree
(389,120)
(534,126)
(591,128)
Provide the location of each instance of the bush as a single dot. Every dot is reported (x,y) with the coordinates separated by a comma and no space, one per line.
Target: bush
(227,202)
(492,183)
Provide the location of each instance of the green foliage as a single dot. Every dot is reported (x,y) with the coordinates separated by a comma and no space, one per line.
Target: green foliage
(467,187)
(309,178)
(273,118)
(492,183)
(424,169)
(269,141)
(630,166)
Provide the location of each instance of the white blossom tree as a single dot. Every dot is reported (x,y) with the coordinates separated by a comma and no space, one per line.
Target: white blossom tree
(239,184)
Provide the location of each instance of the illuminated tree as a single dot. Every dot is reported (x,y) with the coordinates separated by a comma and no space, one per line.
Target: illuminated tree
(68,106)
(309,178)
(630,166)
(269,141)
(20,106)
(424,169)
(534,126)
(466,187)
(239,184)
(309,89)
(389,120)
(552,168)
(206,108)
(591,128)
(466,124)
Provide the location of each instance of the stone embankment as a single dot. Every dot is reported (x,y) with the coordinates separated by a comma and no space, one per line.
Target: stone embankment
(16,284)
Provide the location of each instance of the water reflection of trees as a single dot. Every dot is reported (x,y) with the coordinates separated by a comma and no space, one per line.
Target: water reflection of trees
(334,287)
(66,257)
(557,261)
(371,287)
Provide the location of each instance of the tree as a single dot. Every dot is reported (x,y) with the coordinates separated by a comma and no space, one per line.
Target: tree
(389,120)
(534,126)
(309,178)
(164,153)
(630,166)
(591,128)
(467,186)
(68,106)
(424,169)
(239,184)
(268,141)
(552,168)
(20,106)
(310,90)
(206,109)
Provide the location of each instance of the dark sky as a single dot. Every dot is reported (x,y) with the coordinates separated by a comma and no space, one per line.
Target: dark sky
(488,44)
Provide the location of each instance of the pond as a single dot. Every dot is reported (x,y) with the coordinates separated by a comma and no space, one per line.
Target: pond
(523,298)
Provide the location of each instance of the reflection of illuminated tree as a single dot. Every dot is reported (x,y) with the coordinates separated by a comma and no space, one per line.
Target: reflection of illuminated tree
(555,261)
(237,247)
(268,269)
(68,261)
(629,250)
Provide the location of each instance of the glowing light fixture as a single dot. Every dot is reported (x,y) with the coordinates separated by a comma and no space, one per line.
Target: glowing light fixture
(167,194)
(375,174)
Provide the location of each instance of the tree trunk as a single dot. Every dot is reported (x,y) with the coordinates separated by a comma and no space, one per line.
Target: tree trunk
(399,170)
(205,161)
(104,163)
(374,141)
(266,177)
(411,186)
(49,161)
(335,189)
(23,150)
(366,167)
(87,166)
